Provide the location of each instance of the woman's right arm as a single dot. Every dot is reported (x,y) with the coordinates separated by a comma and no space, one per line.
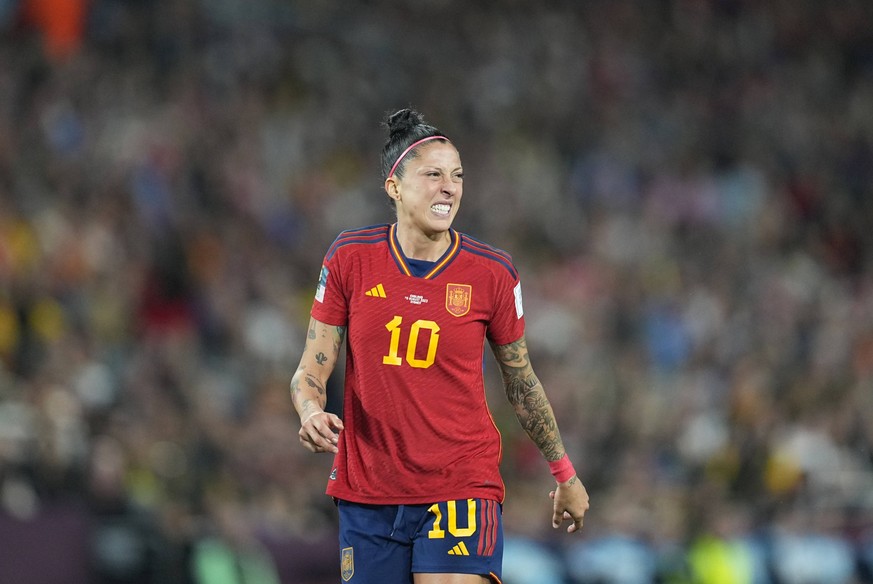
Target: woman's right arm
(318,429)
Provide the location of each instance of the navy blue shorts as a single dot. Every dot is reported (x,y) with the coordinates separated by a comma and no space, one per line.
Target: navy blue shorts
(389,543)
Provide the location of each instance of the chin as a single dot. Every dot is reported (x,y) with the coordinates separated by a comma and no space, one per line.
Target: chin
(441,224)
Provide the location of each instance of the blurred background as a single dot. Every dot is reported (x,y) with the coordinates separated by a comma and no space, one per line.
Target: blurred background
(686,187)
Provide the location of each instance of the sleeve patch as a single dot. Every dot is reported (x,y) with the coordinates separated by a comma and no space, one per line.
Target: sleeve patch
(322,285)
(519,309)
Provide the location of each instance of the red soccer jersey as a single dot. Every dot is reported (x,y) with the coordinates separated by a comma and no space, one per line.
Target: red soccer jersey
(417,425)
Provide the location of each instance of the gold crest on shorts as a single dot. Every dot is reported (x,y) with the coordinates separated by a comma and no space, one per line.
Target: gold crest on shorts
(347,563)
(458,298)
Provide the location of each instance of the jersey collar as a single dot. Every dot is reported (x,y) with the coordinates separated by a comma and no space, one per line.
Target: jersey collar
(439,265)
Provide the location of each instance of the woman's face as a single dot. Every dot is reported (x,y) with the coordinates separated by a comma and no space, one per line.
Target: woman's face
(429,193)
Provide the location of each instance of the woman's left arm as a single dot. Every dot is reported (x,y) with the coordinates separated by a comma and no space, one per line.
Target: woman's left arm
(534,412)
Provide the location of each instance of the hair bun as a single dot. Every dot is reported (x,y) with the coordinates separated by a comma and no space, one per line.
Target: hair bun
(405,128)
(402,122)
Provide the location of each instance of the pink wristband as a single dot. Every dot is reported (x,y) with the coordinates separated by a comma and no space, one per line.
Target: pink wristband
(562,469)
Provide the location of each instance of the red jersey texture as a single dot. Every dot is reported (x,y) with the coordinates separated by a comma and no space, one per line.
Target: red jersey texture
(417,424)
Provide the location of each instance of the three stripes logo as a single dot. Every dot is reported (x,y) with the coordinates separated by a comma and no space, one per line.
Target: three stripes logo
(377,291)
(459,550)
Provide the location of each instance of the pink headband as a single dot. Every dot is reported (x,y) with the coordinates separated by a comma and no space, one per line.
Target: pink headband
(410,147)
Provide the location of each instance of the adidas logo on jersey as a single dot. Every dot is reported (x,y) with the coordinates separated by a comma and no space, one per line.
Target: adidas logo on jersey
(378,291)
(459,550)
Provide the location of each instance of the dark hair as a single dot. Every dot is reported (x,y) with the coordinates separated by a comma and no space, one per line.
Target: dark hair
(405,127)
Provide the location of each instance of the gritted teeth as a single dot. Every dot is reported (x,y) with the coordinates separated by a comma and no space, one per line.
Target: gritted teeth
(441,208)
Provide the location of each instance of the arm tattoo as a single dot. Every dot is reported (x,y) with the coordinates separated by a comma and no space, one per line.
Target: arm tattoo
(339,336)
(307,407)
(295,382)
(526,394)
(313,382)
(305,399)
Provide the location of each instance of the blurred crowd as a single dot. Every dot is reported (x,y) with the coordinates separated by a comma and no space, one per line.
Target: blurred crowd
(686,187)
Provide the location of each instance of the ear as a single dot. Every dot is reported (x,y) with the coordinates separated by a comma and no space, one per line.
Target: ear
(392,188)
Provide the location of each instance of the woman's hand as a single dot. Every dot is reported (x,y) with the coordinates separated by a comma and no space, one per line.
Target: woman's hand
(571,503)
(319,432)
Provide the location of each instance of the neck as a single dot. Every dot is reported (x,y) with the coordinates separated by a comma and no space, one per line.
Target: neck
(418,245)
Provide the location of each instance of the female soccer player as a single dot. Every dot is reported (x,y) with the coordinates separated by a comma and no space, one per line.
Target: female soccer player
(416,458)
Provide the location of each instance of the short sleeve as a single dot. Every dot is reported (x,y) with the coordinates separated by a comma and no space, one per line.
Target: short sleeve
(507,322)
(330,305)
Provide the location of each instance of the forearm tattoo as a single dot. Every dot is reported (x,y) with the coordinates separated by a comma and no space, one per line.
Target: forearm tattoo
(527,396)
(338,335)
(308,407)
(315,380)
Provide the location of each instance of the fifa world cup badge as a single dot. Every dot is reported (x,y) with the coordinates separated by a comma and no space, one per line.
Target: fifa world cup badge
(347,562)
(322,284)
(458,298)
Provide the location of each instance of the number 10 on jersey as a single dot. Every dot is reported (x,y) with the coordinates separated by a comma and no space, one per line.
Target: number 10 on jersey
(396,329)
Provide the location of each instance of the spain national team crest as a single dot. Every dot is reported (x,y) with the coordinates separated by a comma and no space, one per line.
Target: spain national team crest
(347,561)
(458,298)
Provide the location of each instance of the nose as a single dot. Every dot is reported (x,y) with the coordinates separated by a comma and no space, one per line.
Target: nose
(450,186)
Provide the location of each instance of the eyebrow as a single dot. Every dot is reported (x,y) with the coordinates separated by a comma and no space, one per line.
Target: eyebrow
(436,167)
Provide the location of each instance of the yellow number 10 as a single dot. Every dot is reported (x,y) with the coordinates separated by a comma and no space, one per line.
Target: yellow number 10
(437,532)
(393,356)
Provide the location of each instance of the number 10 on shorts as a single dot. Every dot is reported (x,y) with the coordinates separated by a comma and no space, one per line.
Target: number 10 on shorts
(450,521)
